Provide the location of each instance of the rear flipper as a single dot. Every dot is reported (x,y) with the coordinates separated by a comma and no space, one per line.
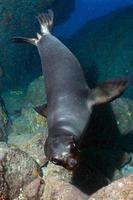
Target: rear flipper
(46,23)
(109,90)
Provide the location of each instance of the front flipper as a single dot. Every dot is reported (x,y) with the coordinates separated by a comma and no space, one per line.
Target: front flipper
(42,110)
(25,40)
(108,91)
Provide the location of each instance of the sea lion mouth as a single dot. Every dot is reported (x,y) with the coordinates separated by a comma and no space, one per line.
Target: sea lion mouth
(70,163)
(63,152)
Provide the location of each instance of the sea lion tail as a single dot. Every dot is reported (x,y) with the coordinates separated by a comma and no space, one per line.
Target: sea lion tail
(46,21)
(109,90)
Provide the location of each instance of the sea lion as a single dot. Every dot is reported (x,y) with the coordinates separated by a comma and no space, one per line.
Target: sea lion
(69,99)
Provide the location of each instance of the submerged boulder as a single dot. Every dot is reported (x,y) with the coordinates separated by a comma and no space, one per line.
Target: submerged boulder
(36,92)
(121,189)
(34,95)
(4,121)
(14,102)
(35,148)
(17,171)
(58,185)
(123,111)
(29,122)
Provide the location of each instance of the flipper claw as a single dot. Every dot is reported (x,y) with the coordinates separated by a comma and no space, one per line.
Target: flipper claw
(46,21)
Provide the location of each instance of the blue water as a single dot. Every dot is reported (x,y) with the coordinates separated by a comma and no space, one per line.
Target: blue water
(87,10)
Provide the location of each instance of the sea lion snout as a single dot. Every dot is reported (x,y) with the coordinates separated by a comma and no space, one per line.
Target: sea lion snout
(70,163)
(62,151)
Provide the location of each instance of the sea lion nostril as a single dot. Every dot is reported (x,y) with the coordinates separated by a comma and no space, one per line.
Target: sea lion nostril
(72,162)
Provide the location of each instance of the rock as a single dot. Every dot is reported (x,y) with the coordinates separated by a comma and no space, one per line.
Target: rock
(35,148)
(19,139)
(105,48)
(33,96)
(17,171)
(58,186)
(4,188)
(36,93)
(125,169)
(33,145)
(123,110)
(17,19)
(4,121)
(60,190)
(30,122)
(14,101)
(121,189)
(32,191)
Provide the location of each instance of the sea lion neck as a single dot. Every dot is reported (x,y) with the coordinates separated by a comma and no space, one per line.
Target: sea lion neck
(65,127)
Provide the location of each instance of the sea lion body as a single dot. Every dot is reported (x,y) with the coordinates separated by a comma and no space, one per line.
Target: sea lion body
(67,90)
(69,99)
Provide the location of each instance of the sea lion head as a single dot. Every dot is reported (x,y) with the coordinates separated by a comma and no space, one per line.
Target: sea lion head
(62,150)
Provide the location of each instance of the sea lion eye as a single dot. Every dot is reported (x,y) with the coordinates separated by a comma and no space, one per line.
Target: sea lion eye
(73,146)
(54,161)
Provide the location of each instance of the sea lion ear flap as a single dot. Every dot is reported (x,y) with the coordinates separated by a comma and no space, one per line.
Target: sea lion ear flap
(109,90)
(42,110)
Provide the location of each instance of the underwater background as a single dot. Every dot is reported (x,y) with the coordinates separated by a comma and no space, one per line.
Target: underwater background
(100,34)
(71,21)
